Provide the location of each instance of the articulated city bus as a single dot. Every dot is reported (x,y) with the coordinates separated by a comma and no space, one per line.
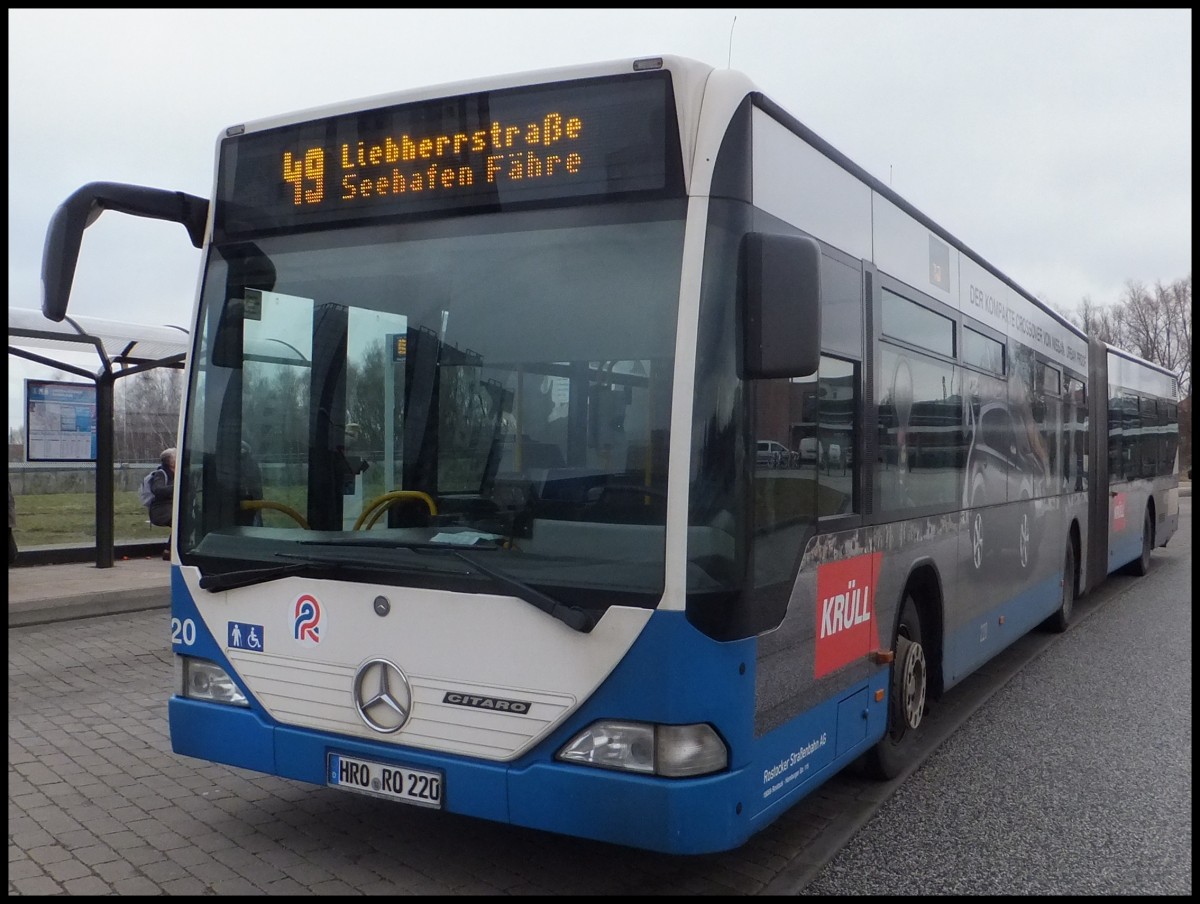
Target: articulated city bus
(471,513)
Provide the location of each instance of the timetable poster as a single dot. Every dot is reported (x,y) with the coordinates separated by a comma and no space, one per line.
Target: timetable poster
(60,421)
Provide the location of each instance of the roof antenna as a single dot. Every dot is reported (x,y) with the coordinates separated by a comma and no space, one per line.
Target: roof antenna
(729,61)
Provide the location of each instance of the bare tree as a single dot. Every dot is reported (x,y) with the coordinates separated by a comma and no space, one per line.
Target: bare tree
(1143,327)
(147,413)
(1175,300)
(1102,321)
(16,443)
(1175,305)
(1155,324)
(1185,435)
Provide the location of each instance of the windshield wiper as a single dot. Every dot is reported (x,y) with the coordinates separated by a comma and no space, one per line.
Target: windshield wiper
(370,543)
(233,579)
(572,617)
(230,580)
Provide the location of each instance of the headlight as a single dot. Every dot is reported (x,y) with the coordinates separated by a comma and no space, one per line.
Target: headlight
(199,679)
(674,751)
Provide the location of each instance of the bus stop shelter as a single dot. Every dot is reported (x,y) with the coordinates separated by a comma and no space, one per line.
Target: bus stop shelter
(121,350)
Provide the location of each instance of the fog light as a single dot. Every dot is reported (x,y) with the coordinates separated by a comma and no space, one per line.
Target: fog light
(684,750)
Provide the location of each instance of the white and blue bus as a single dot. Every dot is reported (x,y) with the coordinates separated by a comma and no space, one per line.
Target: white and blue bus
(470,513)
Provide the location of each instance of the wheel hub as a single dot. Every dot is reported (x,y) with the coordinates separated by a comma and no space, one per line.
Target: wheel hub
(910,682)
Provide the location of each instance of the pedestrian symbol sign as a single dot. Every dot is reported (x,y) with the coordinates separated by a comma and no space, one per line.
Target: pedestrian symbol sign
(243,636)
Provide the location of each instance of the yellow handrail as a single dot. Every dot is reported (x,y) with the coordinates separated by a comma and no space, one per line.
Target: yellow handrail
(254,504)
(383,503)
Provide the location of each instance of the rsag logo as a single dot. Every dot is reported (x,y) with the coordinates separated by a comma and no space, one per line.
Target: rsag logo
(1118,513)
(306,627)
(845,611)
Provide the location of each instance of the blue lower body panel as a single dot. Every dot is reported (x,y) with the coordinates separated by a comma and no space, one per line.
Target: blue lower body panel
(671,675)
(644,812)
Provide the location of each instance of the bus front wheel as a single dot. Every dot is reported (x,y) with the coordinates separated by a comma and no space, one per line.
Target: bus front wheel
(906,697)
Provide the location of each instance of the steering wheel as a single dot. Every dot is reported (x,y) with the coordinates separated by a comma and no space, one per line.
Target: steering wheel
(255,504)
(382,503)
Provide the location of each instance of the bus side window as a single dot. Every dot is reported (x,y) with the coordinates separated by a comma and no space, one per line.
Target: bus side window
(1049,400)
(1130,437)
(1170,428)
(1116,459)
(837,412)
(922,443)
(1075,436)
(1148,437)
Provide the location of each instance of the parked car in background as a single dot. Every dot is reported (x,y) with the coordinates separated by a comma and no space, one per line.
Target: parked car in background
(771,454)
(810,449)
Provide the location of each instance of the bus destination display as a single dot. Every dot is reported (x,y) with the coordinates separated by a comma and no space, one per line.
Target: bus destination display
(573,140)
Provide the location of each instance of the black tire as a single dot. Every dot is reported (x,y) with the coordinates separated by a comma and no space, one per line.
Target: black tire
(1141,565)
(907,698)
(1061,620)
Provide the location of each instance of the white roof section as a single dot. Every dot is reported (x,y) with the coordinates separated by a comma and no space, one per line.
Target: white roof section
(120,342)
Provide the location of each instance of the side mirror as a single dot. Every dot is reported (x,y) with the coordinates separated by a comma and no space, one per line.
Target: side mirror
(779,306)
(65,232)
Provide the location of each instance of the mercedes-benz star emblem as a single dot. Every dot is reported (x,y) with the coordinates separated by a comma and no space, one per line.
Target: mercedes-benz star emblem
(382,696)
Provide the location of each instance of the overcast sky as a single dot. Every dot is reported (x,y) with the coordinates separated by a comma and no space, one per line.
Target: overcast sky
(1056,144)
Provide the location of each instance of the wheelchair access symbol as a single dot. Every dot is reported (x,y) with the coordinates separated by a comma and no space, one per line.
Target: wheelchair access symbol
(243,636)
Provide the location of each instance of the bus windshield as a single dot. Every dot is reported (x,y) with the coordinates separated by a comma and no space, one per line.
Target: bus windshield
(498,381)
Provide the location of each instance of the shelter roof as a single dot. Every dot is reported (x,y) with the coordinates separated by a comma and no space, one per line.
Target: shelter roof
(120,342)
